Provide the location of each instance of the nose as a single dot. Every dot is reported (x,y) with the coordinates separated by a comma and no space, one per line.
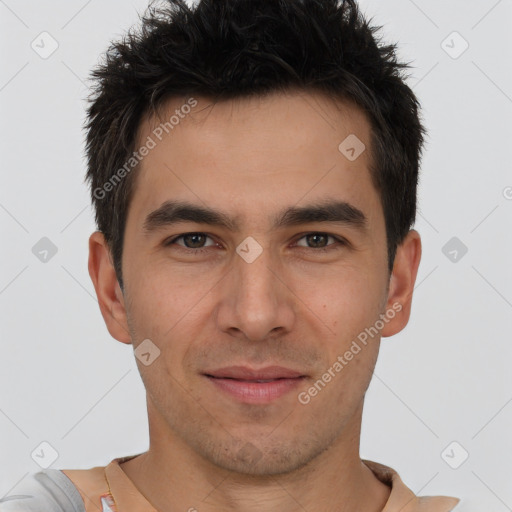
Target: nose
(257,299)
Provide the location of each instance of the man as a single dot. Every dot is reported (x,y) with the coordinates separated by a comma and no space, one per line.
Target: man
(253,167)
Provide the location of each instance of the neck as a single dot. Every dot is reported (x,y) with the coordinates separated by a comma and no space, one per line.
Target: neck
(172,476)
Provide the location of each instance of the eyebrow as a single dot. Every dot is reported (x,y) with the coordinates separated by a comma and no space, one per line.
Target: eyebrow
(332,211)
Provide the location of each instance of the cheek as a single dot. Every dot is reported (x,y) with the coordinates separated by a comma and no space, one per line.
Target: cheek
(172,315)
(162,299)
(347,302)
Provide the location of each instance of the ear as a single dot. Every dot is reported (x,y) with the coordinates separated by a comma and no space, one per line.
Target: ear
(108,291)
(401,285)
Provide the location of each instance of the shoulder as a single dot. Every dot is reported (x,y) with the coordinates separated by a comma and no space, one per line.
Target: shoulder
(404,499)
(90,483)
(49,490)
(55,490)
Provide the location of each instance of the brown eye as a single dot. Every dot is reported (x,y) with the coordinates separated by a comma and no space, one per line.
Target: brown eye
(194,240)
(191,240)
(319,240)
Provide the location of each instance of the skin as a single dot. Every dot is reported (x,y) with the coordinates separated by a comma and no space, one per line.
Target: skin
(293,306)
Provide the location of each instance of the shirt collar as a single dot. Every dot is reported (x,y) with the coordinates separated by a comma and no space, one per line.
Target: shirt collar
(402,499)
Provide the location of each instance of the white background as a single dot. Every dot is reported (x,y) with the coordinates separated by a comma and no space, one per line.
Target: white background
(445,378)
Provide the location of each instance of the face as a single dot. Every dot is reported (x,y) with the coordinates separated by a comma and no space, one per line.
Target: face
(250,284)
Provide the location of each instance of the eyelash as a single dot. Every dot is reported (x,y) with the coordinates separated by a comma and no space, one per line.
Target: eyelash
(335,246)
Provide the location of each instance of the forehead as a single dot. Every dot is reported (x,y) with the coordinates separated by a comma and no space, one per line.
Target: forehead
(254,155)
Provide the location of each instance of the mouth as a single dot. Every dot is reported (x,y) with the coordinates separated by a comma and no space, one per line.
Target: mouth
(255,386)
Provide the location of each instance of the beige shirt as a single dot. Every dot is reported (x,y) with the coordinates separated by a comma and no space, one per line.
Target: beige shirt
(92,484)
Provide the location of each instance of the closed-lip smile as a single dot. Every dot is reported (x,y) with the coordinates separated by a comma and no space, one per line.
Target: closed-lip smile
(255,386)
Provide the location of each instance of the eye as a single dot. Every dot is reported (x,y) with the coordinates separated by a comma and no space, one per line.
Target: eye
(196,242)
(192,241)
(319,241)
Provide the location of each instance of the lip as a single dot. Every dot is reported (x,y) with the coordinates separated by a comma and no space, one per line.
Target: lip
(246,373)
(240,382)
(255,392)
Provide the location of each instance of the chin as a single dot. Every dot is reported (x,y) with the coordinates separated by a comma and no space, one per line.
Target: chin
(267,458)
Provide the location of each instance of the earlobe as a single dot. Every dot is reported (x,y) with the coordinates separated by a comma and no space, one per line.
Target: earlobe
(401,286)
(109,294)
